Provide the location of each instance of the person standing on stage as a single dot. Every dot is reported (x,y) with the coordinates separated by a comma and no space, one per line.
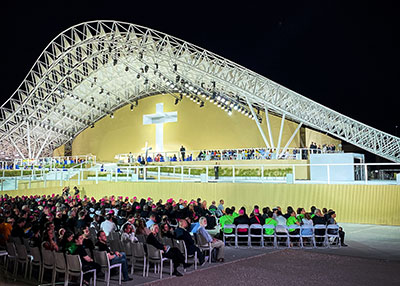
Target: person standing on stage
(216,171)
(182,150)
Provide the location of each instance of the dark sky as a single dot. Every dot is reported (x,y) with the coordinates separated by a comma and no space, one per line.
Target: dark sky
(340,54)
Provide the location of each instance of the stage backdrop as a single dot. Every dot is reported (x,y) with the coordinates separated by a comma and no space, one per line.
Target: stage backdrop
(352,203)
(196,128)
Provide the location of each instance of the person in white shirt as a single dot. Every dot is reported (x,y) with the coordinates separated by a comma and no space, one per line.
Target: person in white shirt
(108,225)
(128,235)
(131,221)
(215,243)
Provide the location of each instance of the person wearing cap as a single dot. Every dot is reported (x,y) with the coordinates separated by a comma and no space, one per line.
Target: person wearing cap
(256,218)
(242,219)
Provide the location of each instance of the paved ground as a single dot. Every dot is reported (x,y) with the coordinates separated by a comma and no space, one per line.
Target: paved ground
(372,258)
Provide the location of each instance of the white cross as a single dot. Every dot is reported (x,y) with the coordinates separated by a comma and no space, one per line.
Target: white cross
(159,118)
(146,150)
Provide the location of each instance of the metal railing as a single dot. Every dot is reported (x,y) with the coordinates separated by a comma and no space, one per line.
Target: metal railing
(357,173)
(225,154)
(52,162)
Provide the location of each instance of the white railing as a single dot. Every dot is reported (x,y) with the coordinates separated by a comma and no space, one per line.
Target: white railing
(263,173)
(224,154)
(51,162)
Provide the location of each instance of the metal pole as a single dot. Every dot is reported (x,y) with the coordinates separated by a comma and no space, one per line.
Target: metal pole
(291,139)
(258,123)
(328,174)
(97,177)
(181,173)
(269,128)
(280,135)
(365,173)
(294,174)
(233,173)
(262,172)
(158,173)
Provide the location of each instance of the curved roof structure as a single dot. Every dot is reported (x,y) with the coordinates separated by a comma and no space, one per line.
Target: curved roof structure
(94,68)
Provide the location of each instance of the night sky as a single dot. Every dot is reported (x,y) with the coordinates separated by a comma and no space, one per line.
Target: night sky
(342,55)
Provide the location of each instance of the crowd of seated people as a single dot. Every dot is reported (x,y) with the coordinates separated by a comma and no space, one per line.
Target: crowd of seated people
(276,218)
(62,222)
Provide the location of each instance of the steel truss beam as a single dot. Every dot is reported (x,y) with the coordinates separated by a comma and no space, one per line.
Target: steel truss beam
(94,68)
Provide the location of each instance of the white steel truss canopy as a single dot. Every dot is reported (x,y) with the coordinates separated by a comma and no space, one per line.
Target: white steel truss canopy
(94,68)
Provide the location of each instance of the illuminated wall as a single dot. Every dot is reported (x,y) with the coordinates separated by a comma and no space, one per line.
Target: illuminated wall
(197,128)
(352,203)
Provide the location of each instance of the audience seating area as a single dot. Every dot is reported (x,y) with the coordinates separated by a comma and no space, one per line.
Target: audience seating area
(66,237)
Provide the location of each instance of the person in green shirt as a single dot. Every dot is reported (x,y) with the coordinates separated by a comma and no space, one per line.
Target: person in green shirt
(226,219)
(234,214)
(300,214)
(292,220)
(270,231)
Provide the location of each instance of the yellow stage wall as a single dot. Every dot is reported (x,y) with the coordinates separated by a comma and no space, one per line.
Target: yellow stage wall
(197,129)
(353,203)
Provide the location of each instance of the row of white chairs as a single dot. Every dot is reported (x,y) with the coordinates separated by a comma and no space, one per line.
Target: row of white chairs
(305,236)
(55,262)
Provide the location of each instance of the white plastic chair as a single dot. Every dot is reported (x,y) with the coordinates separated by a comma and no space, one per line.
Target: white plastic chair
(332,236)
(139,255)
(181,245)
(74,268)
(259,228)
(47,262)
(307,235)
(36,261)
(155,256)
(60,266)
(238,234)
(295,238)
(282,235)
(228,235)
(101,258)
(23,258)
(11,256)
(267,237)
(204,245)
(320,235)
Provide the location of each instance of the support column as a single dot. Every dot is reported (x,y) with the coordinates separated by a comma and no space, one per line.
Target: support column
(280,134)
(41,148)
(269,128)
(258,123)
(291,139)
(29,140)
(16,147)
